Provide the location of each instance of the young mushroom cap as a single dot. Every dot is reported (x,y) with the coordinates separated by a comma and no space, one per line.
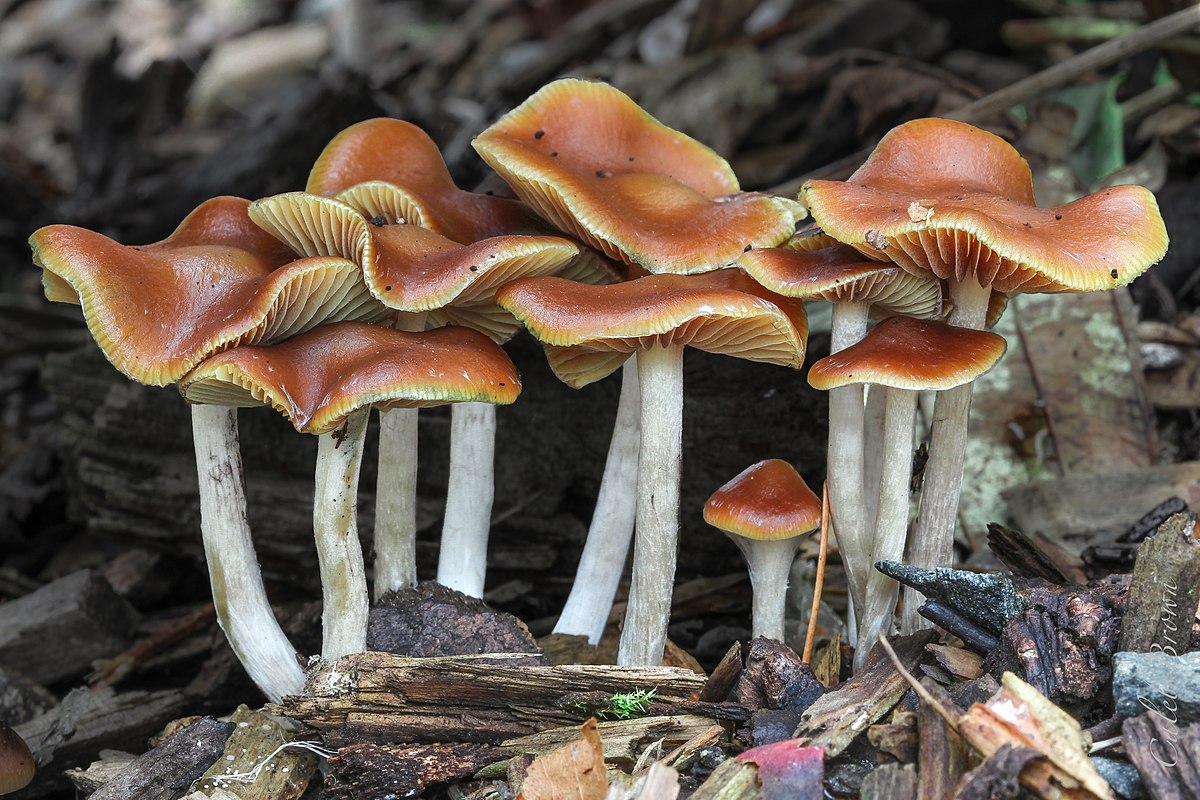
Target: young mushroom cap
(914,354)
(589,331)
(218,281)
(767,501)
(17,766)
(588,159)
(945,197)
(319,378)
(388,165)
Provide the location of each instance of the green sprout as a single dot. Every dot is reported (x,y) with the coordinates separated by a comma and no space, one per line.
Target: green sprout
(628,705)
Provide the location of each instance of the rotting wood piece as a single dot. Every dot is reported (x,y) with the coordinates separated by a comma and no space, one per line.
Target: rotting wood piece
(401,770)
(1165,590)
(1035,556)
(177,762)
(253,766)
(841,715)
(380,697)
(1167,756)
(941,752)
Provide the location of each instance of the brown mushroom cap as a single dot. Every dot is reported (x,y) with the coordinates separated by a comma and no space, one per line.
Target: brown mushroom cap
(319,378)
(839,274)
(412,269)
(17,766)
(392,166)
(217,281)
(907,353)
(589,331)
(767,501)
(588,159)
(944,197)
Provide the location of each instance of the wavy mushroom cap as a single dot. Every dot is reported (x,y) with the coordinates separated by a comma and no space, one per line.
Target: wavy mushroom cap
(840,274)
(907,353)
(589,331)
(412,269)
(393,168)
(767,501)
(810,237)
(318,379)
(588,159)
(945,197)
(158,310)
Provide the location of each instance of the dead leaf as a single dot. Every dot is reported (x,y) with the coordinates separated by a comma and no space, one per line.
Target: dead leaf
(788,769)
(574,771)
(1020,716)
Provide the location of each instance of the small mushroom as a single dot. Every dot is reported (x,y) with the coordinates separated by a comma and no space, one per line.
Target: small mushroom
(17,766)
(906,356)
(325,382)
(590,331)
(765,510)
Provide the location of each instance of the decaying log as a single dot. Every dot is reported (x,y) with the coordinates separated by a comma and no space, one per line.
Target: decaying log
(384,698)
(85,722)
(174,765)
(841,715)
(1165,590)
(57,631)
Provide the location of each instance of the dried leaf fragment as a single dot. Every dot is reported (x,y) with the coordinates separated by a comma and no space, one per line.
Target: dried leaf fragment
(918,212)
(574,771)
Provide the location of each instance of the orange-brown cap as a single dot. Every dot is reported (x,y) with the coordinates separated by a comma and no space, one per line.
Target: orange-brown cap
(319,378)
(839,274)
(16,761)
(768,501)
(158,310)
(907,353)
(588,159)
(410,268)
(945,197)
(589,331)
(394,169)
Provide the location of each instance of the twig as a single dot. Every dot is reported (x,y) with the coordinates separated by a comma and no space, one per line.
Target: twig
(1144,38)
(819,581)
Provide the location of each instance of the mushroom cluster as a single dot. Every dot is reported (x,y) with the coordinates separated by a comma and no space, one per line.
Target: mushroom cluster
(384,285)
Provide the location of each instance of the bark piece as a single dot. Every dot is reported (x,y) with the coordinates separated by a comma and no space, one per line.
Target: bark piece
(85,722)
(21,699)
(375,771)
(898,738)
(1149,522)
(941,754)
(724,676)
(1165,590)
(255,766)
(172,766)
(1167,756)
(57,631)
(431,620)
(382,697)
(732,780)
(997,777)
(111,763)
(1035,557)
(841,715)
(890,782)
(1148,681)
(776,678)
(1064,639)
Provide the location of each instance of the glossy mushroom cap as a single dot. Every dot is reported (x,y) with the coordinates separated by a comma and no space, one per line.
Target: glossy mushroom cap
(318,379)
(16,761)
(393,169)
(840,274)
(767,501)
(906,353)
(410,268)
(217,281)
(589,331)
(944,197)
(588,159)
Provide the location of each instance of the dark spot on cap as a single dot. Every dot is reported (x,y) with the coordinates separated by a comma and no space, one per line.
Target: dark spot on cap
(387,288)
(1058,216)
(379,220)
(474,268)
(747,248)
(601,173)
(538,134)
(631,158)
(1115,274)
(1027,225)
(502,383)
(554,154)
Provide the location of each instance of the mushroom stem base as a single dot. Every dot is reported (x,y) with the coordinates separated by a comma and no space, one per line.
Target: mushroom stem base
(396,502)
(770,564)
(238,593)
(660,372)
(462,561)
(603,560)
(335,526)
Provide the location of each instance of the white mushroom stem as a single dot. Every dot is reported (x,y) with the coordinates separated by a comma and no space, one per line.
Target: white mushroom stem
(932,542)
(845,457)
(603,560)
(891,523)
(770,563)
(396,491)
(873,449)
(335,526)
(660,372)
(462,561)
(238,593)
